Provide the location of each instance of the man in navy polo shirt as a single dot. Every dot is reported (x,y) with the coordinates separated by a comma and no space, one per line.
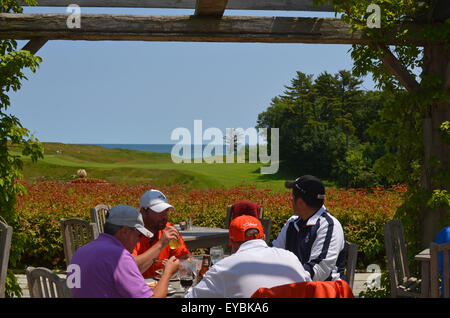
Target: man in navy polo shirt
(313,234)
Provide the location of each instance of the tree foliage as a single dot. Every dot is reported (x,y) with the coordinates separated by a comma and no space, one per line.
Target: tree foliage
(13,134)
(413,125)
(324,128)
(322,131)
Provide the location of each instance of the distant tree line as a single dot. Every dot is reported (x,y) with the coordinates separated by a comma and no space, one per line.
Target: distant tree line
(326,128)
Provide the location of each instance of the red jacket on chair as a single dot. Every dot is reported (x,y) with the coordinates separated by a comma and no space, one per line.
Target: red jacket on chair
(245,207)
(315,289)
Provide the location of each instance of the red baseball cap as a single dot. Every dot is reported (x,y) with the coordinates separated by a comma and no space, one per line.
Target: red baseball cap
(241,224)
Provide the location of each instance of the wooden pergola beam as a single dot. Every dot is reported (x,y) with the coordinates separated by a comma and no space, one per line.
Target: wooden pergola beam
(35,45)
(210,8)
(107,27)
(398,69)
(275,5)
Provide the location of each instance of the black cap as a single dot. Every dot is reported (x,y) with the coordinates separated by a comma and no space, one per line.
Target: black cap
(308,186)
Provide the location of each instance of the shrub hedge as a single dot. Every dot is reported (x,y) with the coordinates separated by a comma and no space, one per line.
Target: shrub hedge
(362,212)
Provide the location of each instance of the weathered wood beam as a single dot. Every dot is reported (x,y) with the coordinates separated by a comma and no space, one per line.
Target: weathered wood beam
(35,45)
(210,8)
(398,69)
(107,27)
(283,5)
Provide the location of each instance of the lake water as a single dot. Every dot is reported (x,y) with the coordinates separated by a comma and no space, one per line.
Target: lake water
(161,148)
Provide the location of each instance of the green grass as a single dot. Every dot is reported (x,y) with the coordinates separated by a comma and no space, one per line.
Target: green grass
(132,167)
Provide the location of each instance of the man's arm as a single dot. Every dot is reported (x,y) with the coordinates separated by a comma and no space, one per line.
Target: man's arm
(280,241)
(160,291)
(145,260)
(325,250)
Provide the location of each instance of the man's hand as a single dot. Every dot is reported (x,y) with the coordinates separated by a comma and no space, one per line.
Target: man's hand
(145,260)
(170,233)
(172,265)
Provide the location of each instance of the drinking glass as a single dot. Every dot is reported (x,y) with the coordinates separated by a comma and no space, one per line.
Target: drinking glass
(174,244)
(186,274)
(197,259)
(216,254)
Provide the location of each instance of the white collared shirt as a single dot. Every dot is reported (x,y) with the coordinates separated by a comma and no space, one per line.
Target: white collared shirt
(253,266)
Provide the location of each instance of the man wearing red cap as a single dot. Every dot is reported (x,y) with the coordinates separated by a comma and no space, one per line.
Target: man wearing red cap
(252,265)
(313,234)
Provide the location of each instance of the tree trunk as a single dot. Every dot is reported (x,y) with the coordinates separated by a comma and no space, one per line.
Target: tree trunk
(436,62)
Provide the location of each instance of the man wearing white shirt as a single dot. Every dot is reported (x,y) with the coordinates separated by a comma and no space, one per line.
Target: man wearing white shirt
(252,265)
(313,234)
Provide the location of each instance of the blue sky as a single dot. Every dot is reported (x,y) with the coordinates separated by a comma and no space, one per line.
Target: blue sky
(139,92)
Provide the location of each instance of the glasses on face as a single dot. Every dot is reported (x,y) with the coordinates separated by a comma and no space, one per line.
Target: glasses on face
(138,232)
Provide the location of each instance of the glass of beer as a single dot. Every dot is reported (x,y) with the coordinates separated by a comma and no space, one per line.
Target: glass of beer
(173,244)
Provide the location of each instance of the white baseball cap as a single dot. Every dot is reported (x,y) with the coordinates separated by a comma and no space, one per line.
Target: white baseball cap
(128,216)
(155,200)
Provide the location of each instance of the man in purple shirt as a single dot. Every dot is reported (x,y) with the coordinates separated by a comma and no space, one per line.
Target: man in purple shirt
(106,267)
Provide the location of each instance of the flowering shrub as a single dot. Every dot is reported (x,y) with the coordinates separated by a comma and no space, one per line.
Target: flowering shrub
(88,180)
(361,212)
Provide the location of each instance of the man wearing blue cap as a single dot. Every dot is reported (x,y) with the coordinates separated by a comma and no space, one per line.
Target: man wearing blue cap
(106,267)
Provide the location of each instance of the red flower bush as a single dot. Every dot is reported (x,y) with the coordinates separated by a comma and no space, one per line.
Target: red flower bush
(88,180)
(362,212)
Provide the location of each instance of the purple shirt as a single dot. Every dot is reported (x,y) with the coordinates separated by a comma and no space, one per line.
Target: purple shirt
(107,269)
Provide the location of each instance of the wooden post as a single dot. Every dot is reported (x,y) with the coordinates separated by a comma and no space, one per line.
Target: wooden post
(436,150)
(210,8)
